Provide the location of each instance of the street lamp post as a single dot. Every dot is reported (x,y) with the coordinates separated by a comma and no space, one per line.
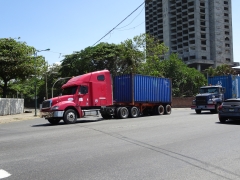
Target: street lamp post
(35,68)
(57,81)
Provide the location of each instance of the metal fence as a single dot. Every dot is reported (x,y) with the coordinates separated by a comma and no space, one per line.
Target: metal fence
(10,106)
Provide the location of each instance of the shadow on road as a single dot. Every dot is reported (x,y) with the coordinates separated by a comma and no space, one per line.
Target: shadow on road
(202,113)
(62,123)
(230,122)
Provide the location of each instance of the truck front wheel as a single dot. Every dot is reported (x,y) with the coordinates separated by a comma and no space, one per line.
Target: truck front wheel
(70,116)
(198,111)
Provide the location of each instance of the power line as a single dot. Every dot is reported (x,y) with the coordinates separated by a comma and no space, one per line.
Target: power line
(120,23)
(131,21)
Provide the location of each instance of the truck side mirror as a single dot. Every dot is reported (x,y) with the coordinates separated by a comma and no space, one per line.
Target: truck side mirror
(223,90)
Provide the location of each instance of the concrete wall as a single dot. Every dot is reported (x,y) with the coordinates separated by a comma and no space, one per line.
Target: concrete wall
(11,106)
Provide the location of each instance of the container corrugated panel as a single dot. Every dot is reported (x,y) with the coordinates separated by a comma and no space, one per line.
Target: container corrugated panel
(139,88)
(230,82)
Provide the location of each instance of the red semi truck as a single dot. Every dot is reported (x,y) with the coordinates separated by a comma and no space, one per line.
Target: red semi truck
(124,96)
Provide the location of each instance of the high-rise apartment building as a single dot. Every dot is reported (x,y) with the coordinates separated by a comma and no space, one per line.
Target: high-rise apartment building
(199,31)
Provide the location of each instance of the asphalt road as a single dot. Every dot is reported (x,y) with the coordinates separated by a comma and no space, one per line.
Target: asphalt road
(179,146)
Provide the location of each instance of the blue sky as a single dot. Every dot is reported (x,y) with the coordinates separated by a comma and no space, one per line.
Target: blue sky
(68,26)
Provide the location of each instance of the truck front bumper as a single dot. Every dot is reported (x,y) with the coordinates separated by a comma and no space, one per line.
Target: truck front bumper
(52,114)
(203,107)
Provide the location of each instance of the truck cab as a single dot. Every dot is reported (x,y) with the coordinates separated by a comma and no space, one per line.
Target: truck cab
(88,91)
(209,98)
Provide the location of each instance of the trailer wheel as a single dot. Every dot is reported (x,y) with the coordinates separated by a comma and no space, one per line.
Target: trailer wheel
(54,121)
(168,109)
(133,111)
(70,116)
(123,113)
(159,110)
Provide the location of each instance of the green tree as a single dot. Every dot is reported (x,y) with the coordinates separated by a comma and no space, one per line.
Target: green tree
(99,57)
(185,81)
(17,63)
(153,52)
(221,70)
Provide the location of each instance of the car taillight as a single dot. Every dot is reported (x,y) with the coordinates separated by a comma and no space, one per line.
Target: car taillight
(220,107)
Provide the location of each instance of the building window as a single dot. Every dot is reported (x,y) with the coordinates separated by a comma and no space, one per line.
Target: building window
(225,8)
(203,35)
(227,45)
(225,14)
(225,2)
(204,48)
(226,32)
(192,57)
(204,57)
(228,59)
(227,27)
(226,39)
(203,42)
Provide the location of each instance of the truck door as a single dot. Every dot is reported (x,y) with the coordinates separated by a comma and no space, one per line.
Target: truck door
(83,95)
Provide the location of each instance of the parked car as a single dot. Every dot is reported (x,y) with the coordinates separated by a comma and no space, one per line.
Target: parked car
(229,109)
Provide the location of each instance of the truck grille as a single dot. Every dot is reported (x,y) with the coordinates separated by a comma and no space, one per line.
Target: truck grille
(46,104)
(201,100)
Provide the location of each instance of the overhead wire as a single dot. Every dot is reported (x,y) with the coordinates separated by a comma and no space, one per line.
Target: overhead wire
(119,23)
(132,20)
(132,27)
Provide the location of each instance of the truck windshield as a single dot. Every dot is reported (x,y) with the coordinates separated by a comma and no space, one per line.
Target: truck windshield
(209,90)
(69,90)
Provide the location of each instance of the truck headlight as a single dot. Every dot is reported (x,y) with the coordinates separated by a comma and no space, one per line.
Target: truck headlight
(210,101)
(55,107)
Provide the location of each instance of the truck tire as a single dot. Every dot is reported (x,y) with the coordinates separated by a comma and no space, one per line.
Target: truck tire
(123,113)
(159,110)
(70,116)
(168,109)
(198,111)
(53,121)
(133,112)
(116,113)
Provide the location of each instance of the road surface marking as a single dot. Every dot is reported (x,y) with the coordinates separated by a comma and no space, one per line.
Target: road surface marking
(4,174)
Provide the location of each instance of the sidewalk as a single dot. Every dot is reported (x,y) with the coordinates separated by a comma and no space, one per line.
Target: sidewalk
(28,114)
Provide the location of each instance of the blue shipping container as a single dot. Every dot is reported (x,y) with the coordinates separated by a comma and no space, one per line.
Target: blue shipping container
(133,88)
(230,82)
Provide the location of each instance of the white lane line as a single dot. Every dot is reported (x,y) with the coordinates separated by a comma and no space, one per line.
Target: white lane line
(4,174)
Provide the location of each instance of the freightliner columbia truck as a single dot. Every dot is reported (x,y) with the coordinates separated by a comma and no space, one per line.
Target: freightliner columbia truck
(220,88)
(123,96)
